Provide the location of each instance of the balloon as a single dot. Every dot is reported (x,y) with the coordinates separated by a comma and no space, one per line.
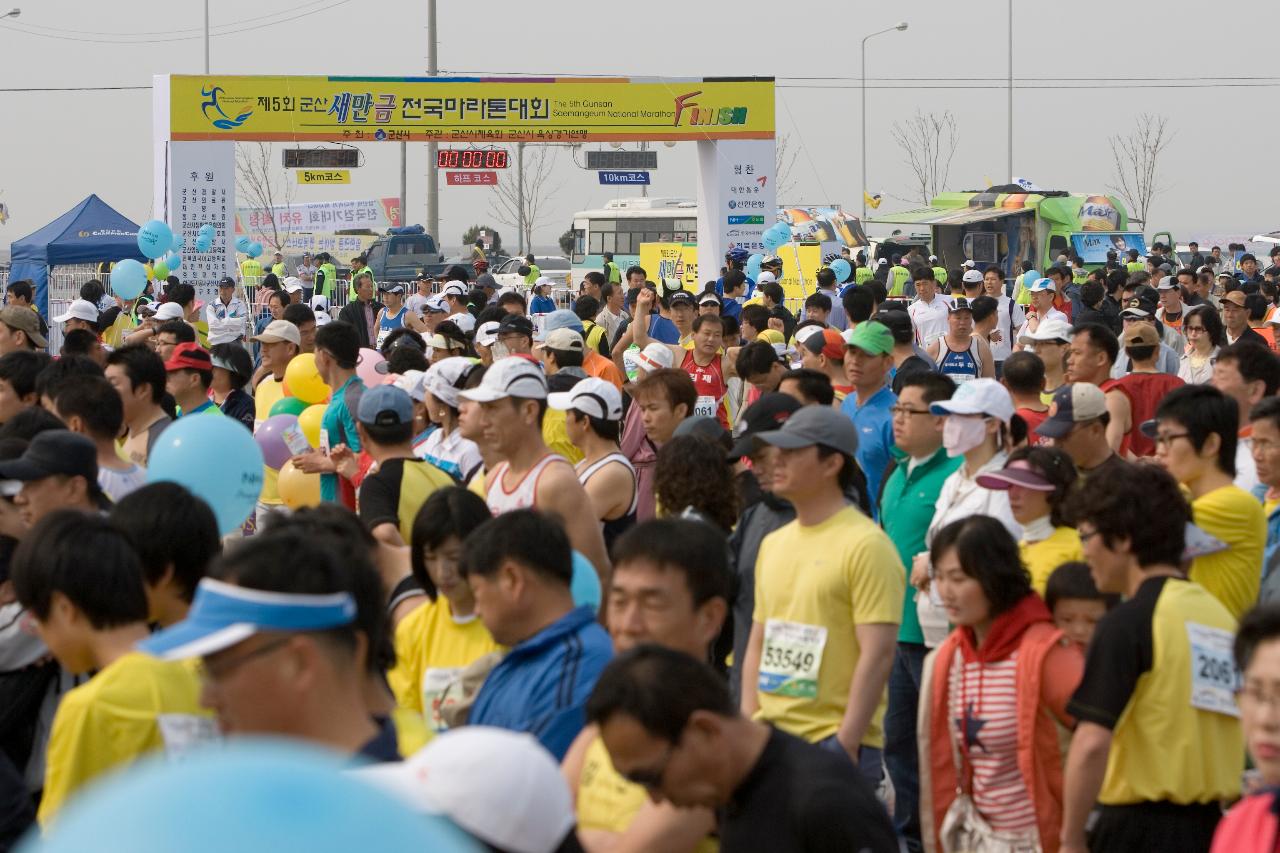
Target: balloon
(287,406)
(304,380)
(269,437)
(585,585)
(310,420)
(753,265)
(772,240)
(228,797)
(208,228)
(216,459)
(297,489)
(160,270)
(366,367)
(243,244)
(255,249)
(154,239)
(178,243)
(842,269)
(128,279)
(172,260)
(203,243)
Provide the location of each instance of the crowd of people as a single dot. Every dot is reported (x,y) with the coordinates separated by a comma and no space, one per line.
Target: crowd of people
(926,560)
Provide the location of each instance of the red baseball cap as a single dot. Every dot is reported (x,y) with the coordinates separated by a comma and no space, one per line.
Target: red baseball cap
(189,356)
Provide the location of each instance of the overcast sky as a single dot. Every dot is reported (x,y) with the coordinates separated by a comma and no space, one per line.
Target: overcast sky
(1220,170)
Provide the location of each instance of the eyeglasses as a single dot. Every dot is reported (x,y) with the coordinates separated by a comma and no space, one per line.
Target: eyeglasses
(1190,329)
(652,779)
(219,669)
(1254,695)
(1086,535)
(1169,438)
(906,412)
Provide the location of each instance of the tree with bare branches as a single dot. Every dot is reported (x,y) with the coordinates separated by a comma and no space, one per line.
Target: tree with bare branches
(265,186)
(1137,161)
(786,161)
(520,198)
(928,142)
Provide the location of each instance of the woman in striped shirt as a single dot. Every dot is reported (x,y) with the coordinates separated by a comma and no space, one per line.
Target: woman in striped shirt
(994,699)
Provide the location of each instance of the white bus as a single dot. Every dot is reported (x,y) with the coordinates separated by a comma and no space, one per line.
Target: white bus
(623,224)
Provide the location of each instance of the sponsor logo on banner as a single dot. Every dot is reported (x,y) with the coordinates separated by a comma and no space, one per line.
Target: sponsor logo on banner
(693,113)
(214,112)
(746,220)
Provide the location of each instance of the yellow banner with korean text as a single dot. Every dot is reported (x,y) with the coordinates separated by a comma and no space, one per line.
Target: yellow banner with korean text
(477,110)
(324,176)
(673,262)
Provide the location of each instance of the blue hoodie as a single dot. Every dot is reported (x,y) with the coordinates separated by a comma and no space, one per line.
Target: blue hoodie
(541,686)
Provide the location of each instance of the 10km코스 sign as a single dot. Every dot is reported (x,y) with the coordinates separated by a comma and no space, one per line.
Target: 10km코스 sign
(375,109)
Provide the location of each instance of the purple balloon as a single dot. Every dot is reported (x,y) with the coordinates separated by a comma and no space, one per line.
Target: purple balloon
(270,438)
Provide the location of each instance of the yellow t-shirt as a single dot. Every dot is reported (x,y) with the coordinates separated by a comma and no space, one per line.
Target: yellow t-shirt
(1233,576)
(479,481)
(813,586)
(432,649)
(135,705)
(606,801)
(556,436)
(1041,558)
(269,392)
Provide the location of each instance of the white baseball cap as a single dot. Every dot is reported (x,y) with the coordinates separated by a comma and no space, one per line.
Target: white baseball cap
(972,277)
(1050,330)
(443,377)
(323,318)
(500,786)
(436,305)
(1041,284)
(169,311)
(410,382)
(514,376)
(454,288)
(655,357)
(978,397)
(487,334)
(542,280)
(464,320)
(319,302)
(968,265)
(79,309)
(594,397)
(292,284)
(766,277)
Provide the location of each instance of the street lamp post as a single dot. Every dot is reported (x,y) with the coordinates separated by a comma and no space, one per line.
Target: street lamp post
(900,27)
(1010,91)
(12,13)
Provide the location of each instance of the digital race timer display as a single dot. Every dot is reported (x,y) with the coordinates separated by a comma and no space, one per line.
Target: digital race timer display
(472,158)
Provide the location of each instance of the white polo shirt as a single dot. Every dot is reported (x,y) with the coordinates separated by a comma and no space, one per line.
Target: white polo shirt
(929,318)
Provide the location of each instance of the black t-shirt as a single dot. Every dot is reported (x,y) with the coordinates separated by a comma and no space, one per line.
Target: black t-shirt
(802,799)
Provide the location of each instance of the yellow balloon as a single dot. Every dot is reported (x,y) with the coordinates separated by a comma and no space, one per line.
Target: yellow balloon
(304,380)
(298,489)
(309,423)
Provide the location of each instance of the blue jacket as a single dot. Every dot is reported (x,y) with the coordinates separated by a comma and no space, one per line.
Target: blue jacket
(541,686)
(875,438)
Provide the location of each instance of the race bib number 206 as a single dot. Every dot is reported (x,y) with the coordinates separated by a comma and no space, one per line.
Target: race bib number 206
(1213,670)
(791,658)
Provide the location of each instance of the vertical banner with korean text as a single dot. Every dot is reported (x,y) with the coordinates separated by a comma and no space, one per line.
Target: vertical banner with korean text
(202,182)
(737,199)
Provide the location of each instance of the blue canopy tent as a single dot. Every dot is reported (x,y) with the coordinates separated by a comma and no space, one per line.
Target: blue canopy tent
(90,232)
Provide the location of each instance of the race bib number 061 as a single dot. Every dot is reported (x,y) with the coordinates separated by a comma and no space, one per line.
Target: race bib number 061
(791,658)
(1213,670)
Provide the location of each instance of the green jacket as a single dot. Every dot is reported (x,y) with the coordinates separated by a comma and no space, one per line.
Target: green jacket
(326,287)
(898,276)
(862,275)
(535,272)
(940,275)
(906,508)
(615,274)
(351,288)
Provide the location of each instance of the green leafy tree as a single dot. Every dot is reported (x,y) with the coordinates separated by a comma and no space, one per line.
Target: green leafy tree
(492,239)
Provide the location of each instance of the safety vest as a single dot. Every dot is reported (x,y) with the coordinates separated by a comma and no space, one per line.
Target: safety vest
(1135,266)
(351,288)
(1079,276)
(534,274)
(614,274)
(900,276)
(250,272)
(862,275)
(1021,295)
(940,275)
(330,277)
(278,269)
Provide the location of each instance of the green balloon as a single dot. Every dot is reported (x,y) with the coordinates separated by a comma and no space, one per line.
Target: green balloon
(288,406)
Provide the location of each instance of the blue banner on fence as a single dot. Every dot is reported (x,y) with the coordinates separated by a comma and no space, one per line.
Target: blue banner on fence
(624,177)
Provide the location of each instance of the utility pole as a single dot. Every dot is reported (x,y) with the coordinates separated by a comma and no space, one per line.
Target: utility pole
(1010,91)
(206,37)
(433,185)
(900,27)
(520,192)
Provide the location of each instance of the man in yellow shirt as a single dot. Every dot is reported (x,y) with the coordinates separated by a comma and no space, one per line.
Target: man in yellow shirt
(82,583)
(670,586)
(1195,431)
(829,592)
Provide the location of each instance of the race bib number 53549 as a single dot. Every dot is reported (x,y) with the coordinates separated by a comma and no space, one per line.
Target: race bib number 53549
(791,658)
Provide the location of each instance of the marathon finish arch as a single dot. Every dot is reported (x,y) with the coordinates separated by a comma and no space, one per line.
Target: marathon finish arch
(198,118)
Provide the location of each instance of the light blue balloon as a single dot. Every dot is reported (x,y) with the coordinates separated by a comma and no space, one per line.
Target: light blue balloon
(251,795)
(753,266)
(204,243)
(154,239)
(783,230)
(586,583)
(243,244)
(179,242)
(255,249)
(172,260)
(128,279)
(773,240)
(215,458)
(839,266)
(208,228)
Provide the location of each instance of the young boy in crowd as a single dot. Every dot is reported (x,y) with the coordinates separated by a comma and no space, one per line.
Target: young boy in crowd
(1075,602)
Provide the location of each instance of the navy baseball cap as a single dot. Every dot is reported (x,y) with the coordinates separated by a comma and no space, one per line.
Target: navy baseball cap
(1072,404)
(385,405)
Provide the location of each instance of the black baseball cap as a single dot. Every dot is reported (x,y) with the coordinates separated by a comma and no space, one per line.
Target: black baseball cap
(516,324)
(765,414)
(55,452)
(226,281)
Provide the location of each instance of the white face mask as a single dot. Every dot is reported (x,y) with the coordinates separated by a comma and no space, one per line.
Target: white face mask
(960,435)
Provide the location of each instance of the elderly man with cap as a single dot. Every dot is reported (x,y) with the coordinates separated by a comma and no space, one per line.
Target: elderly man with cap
(20,330)
(189,375)
(293,289)
(867,359)
(829,591)
(1141,309)
(593,363)
(512,397)
(1042,293)
(823,350)
(80,314)
(1078,424)
(226,315)
(58,470)
(658,326)
(1235,318)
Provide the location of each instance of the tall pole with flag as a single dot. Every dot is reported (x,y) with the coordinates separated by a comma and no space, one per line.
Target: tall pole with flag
(900,27)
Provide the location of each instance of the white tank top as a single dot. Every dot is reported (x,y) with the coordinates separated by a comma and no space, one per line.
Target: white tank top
(586,472)
(524,495)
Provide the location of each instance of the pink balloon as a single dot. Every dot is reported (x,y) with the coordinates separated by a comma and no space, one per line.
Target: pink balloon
(366,367)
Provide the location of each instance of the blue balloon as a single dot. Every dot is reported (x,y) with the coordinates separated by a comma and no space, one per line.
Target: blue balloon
(753,265)
(204,242)
(128,279)
(177,245)
(251,795)
(840,267)
(773,240)
(208,228)
(243,244)
(216,459)
(255,249)
(154,239)
(585,585)
(172,260)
